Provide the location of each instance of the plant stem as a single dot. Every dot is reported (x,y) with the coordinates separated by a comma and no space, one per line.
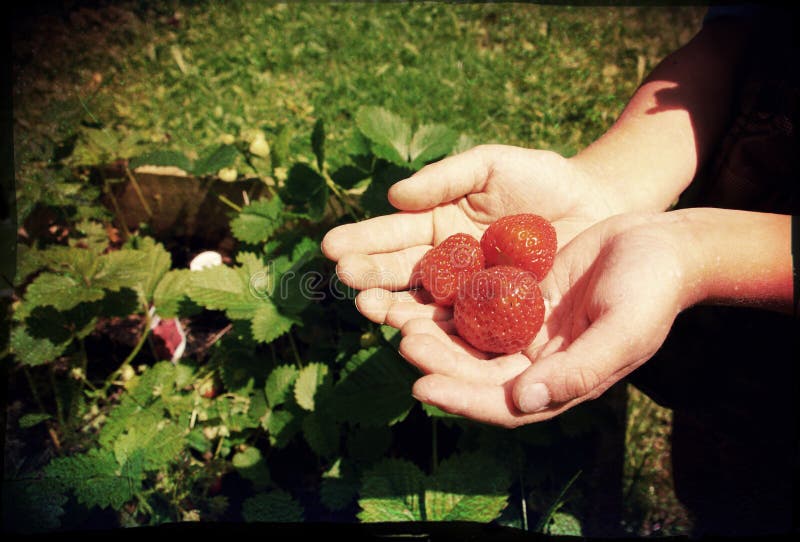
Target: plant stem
(134,352)
(117,211)
(229,203)
(138,190)
(338,193)
(294,350)
(523,502)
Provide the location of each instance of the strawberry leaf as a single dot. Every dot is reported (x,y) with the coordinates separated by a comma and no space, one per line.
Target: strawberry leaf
(392,490)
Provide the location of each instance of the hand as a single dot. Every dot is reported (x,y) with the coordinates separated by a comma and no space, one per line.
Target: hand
(463,193)
(611,296)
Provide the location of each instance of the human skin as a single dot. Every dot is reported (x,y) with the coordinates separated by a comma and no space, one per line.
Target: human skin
(611,298)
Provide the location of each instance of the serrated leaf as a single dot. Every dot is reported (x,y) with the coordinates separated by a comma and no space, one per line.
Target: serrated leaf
(94,235)
(171,291)
(60,291)
(377,377)
(154,444)
(306,187)
(348,176)
(274,506)
(392,490)
(258,221)
(313,382)
(564,524)
(374,200)
(239,366)
(32,419)
(468,487)
(282,425)
(214,159)
(279,150)
(318,142)
(220,288)
(157,261)
(436,412)
(268,324)
(250,464)
(279,386)
(321,433)
(162,158)
(121,269)
(34,351)
(389,134)
(339,487)
(430,142)
(96,478)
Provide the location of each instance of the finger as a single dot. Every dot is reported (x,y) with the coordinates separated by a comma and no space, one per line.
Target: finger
(391,271)
(604,353)
(442,181)
(478,401)
(396,308)
(432,355)
(380,234)
(445,331)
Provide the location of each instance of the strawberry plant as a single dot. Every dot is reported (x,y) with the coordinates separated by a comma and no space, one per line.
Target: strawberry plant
(285,404)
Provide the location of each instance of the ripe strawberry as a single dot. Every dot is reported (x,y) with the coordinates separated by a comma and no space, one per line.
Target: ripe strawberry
(526,241)
(500,309)
(448,265)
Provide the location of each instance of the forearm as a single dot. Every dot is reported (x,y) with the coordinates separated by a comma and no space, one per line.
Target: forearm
(670,125)
(737,258)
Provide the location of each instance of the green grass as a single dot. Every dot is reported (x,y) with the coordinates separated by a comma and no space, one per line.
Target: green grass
(544,76)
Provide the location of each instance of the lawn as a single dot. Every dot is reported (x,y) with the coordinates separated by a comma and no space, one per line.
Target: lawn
(100,88)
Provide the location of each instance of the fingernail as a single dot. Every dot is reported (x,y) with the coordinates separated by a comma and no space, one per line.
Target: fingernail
(533,397)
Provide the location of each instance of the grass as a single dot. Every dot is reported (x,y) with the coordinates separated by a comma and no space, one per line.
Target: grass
(186,75)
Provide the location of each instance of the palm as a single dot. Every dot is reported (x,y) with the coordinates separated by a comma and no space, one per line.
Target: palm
(460,194)
(611,299)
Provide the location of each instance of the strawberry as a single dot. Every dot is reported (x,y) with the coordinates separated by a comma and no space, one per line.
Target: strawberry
(448,265)
(526,241)
(499,309)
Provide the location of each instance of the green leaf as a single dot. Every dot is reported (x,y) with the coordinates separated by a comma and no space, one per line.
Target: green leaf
(388,133)
(162,158)
(214,159)
(348,176)
(377,377)
(392,490)
(258,221)
(282,425)
(321,433)
(34,351)
(564,524)
(171,291)
(318,143)
(122,268)
(96,478)
(157,261)
(156,444)
(268,324)
(221,288)
(468,487)
(374,200)
(313,382)
(306,187)
(29,420)
(279,150)
(250,464)
(430,142)
(60,291)
(339,487)
(273,506)
(279,384)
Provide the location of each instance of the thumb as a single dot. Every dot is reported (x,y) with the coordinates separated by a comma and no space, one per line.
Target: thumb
(442,181)
(601,356)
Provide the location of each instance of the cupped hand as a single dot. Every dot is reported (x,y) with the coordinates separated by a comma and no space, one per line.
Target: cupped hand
(463,193)
(612,296)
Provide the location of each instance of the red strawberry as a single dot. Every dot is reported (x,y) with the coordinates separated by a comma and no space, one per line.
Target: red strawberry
(500,309)
(526,241)
(448,265)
